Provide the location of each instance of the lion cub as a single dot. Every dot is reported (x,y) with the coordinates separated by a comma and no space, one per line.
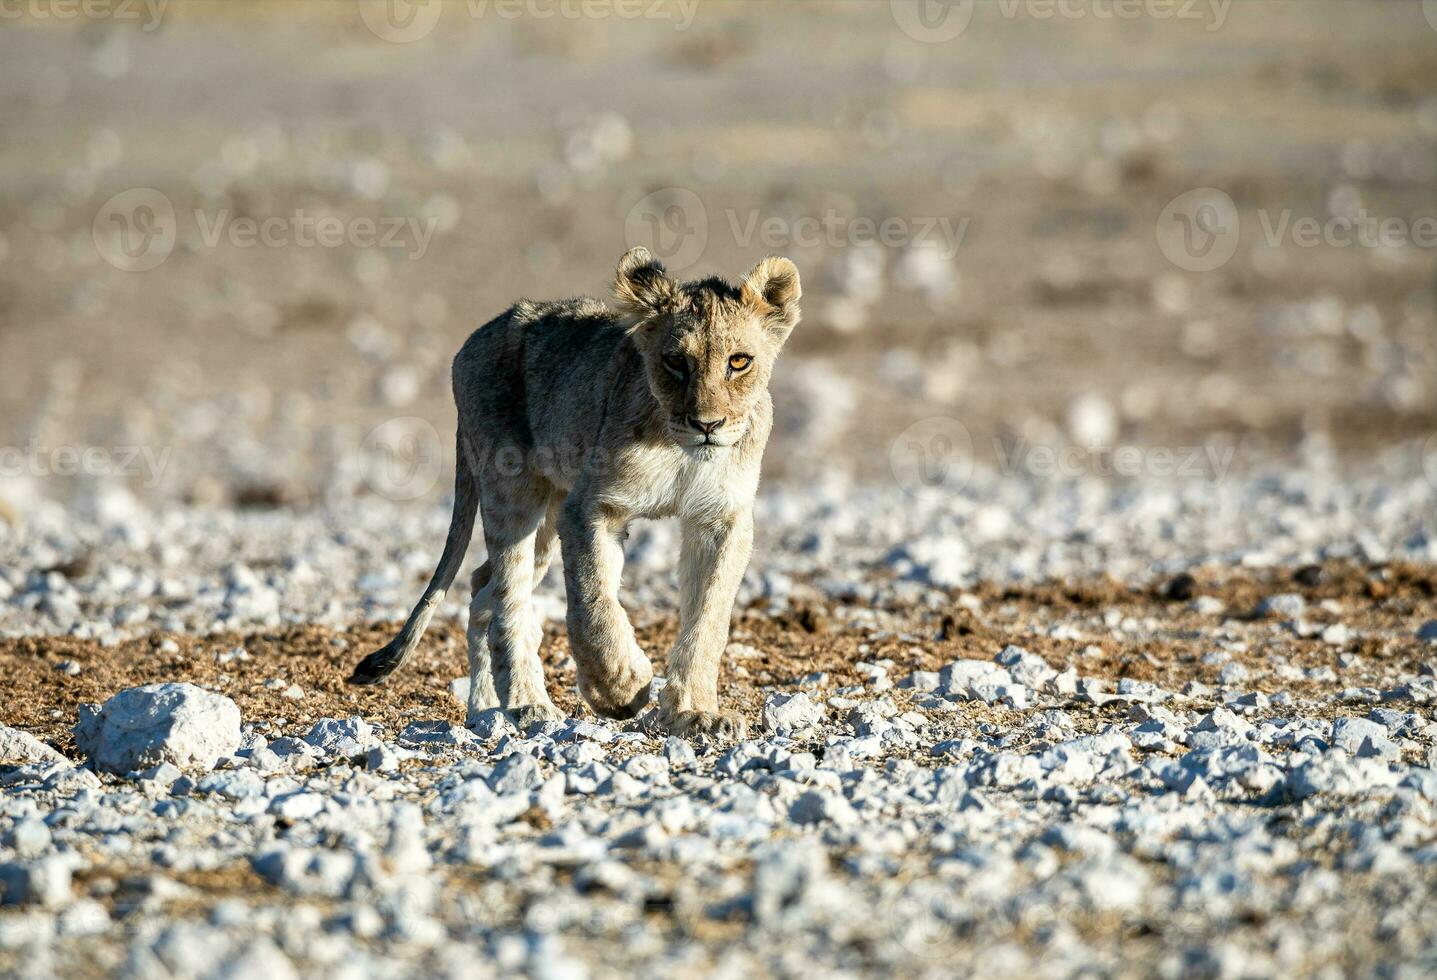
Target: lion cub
(574,419)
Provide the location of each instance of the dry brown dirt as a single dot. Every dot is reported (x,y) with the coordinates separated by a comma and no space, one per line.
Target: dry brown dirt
(1382,604)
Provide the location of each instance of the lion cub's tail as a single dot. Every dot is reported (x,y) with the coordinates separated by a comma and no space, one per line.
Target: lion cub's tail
(389,658)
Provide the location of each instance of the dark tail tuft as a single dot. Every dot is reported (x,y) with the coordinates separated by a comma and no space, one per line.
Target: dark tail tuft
(378,665)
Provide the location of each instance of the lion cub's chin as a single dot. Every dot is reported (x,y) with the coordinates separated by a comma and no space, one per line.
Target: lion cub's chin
(706,451)
(695,447)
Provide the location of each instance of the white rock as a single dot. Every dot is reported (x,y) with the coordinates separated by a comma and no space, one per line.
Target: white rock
(1208,605)
(298,806)
(177,723)
(459,691)
(680,754)
(1288,605)
(307,872)
(921,680)
(816,806)
(1232,673)
(22,748)
(1363,738)
(1092,421)
(342,736)
(961,674)
(437,736)
(29,837)
(787,713)
(514,774)
(492,724)
(1337,634)
(44,882)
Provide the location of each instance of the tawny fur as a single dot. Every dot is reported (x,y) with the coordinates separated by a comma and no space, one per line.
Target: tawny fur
(575,419)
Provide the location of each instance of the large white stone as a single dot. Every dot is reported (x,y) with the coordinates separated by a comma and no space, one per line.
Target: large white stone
(145,726)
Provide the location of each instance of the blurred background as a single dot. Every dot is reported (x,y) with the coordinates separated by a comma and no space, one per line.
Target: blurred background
(241,240)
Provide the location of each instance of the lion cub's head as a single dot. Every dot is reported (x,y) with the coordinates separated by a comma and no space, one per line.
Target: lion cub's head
(708,348)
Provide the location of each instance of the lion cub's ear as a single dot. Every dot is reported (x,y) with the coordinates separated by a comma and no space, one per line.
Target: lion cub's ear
(773,291)
(642,285)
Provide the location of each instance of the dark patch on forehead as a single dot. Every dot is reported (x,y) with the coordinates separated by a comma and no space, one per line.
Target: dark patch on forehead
(708,298)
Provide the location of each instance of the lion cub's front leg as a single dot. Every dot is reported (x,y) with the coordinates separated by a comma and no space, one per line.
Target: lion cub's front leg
(613,673)
(711,564)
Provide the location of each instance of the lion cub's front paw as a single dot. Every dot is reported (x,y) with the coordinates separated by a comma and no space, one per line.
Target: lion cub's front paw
(720,725)
(618,690)
(527,716)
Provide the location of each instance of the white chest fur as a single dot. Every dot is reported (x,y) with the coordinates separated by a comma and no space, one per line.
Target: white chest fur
(696,484)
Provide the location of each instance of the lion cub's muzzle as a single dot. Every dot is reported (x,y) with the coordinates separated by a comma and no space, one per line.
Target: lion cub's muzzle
(696,431)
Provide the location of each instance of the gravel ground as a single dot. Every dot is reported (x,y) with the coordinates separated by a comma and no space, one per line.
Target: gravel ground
(971,752)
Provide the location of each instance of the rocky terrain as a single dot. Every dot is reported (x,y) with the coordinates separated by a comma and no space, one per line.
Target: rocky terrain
(969,751)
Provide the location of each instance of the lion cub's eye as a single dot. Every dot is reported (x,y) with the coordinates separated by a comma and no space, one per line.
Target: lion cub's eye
(677,364)
(739,363)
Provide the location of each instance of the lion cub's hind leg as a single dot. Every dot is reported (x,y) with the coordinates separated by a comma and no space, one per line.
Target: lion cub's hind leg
(515,529)
(482,695)
(481,678)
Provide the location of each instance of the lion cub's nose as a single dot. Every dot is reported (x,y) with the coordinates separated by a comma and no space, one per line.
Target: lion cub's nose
(707,428)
